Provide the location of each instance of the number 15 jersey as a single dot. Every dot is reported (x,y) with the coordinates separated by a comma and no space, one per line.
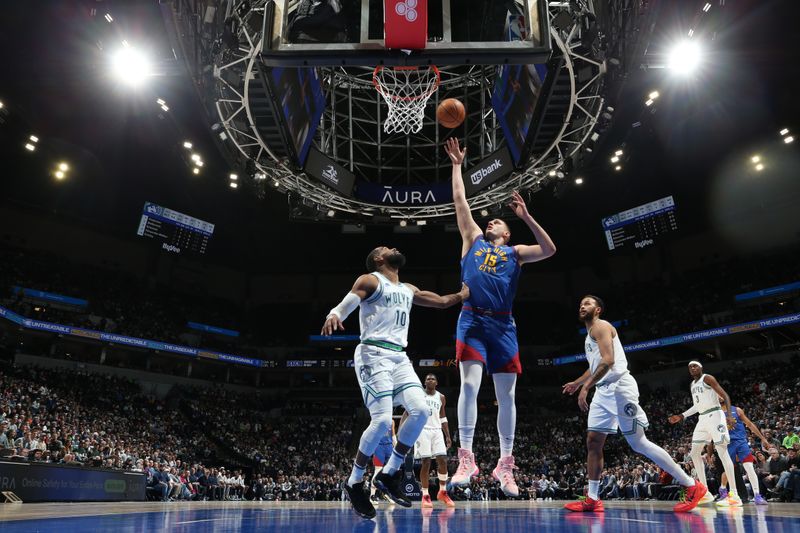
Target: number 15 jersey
(384,316)
(491,273)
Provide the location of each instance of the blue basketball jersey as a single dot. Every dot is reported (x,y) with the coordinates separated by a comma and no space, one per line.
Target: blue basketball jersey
(738,432)
(491,272)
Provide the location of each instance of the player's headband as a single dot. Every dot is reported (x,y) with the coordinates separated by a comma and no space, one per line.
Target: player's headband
(698,363)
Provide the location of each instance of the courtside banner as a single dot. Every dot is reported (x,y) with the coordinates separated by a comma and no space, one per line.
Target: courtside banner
(49,297)
(114,338)
(213,329)
(696,336)
(767,293)
(497,165)
(42,482)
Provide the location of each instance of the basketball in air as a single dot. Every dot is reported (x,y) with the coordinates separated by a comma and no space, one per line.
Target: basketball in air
(450,113)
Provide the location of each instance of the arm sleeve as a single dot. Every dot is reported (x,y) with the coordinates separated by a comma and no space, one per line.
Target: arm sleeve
(690,411)
(346,306)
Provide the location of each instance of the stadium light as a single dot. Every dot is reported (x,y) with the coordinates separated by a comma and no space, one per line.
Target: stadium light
(276,183)
(783,132)
(648,102)
(199,163)
(653,95)
(187,145)
(30,147)
(788,139)
(759,167)
(109,18)
(552,173)
(422,222)
(684,58)
(578,181)
(615,159)
(195,170)
(63,167)
(195,157)
(618,152)
(234,177)
(484,212)
(331,213)
(60,175)
(1,105)
(131,67)
(618,168)
(33,139)
(707,7)
(233,184)
(403,223)
(755,158)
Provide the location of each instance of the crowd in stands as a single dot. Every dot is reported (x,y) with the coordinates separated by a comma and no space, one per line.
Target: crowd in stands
(187,444)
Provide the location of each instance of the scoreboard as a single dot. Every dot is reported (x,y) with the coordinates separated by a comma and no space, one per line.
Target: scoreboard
(177,232)
(638,227)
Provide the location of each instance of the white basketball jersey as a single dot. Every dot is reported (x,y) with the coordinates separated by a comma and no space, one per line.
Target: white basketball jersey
(384,316)
(593,356)
(703,396)
(434,401)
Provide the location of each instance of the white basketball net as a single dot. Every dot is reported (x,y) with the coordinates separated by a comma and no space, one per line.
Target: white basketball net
(405,90)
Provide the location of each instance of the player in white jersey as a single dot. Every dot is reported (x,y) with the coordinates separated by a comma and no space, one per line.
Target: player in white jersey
(434,441)
(615,407)
(384,372)
(712,426)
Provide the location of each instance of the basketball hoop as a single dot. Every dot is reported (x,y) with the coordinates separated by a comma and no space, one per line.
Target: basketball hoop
(405,90)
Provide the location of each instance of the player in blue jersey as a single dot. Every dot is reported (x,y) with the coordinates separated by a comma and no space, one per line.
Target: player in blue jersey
(486,336)
(740,452)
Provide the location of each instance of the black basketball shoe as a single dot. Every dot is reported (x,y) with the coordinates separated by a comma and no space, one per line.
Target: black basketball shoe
(391,485)
(359,499)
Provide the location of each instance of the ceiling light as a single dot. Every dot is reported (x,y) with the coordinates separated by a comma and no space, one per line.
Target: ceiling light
(788,139)
(484,212)
(649,102)
(63,167)
(108,18)
(706,7)
(199,163)
(187,145)
(195,170)
(403,223)
(422,222)
(131,67)
(195,157)
(578,181)
(30,147)
(60,175)
(34,138)
(234,177)
(759,167)
(233,184)
(755,158)
(331,213)
(614,159)
(684,58)
(617,168)
(618,152)
(552,173)
(783,132)
(653,95)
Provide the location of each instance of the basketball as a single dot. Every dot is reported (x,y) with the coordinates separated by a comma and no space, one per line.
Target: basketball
(450,113)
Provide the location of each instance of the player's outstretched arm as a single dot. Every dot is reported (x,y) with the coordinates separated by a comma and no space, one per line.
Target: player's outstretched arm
(363,288)
(750,425)
(431,299)
(466,224)
(572,386)
(530,253)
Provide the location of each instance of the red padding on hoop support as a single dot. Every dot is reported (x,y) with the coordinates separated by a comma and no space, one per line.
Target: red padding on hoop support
(406,24)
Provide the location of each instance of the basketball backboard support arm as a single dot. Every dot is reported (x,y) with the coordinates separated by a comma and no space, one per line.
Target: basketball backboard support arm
(277,50)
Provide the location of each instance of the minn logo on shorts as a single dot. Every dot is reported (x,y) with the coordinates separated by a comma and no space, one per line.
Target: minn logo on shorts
(630,409)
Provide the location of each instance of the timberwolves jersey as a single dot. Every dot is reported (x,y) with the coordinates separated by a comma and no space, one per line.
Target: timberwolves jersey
(738,432)
(704,397)
(491,273)
(385,314)
(434,402)
(620,367)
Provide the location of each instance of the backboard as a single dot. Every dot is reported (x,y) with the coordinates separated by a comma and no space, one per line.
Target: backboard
(353,32)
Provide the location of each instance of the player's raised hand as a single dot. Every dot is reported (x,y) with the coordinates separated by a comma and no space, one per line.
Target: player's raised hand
(674,419)
(454,151)
(332,323)
(570,388)
(582,403)
(517,205)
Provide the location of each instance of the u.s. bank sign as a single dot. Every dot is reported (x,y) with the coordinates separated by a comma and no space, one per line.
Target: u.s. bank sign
(497,165)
